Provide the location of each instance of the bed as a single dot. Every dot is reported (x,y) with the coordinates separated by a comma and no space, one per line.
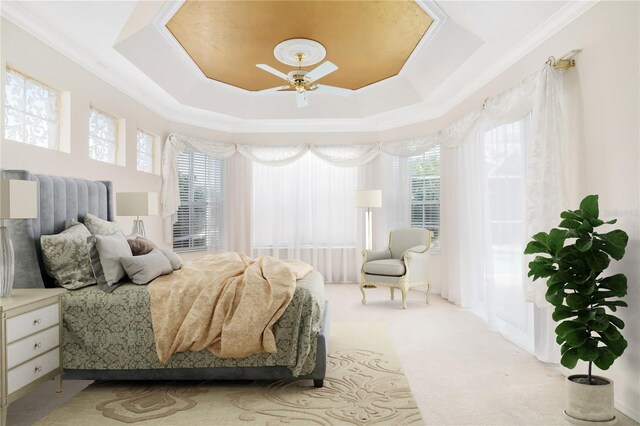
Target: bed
(108,336)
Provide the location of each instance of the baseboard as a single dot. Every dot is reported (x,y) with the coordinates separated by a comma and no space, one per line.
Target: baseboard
(631,412)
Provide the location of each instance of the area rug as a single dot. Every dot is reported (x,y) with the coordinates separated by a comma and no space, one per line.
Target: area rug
(365,385)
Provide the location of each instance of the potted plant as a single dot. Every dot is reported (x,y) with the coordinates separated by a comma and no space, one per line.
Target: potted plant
(573,258)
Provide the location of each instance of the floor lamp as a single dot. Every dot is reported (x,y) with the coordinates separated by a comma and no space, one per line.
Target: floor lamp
(18,200)
(137,204)
(369,199)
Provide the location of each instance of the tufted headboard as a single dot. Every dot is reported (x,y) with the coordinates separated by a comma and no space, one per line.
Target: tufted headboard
(59,200)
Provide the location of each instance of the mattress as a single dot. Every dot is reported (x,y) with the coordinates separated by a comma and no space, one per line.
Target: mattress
(113,331)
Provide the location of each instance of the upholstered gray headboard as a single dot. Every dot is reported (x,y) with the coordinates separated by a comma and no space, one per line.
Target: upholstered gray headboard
(59,200)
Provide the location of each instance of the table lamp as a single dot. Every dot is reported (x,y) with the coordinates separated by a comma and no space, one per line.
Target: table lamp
(18,200)
(369,199)
(137,204)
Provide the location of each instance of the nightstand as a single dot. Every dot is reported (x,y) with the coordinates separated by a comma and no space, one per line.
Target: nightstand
(31,342)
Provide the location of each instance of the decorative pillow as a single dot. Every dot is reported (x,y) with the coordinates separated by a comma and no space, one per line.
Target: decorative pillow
(174,259)
(105,259)
(98,226)
(66,257)
(144,268)
(140,245)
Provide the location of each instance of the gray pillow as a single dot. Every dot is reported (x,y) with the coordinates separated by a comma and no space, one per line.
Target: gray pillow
(66,257)
(174,259)
(146,267)
(105,259)
(98,226)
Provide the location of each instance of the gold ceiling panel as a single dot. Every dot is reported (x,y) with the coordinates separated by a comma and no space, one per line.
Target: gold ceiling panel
(368,40)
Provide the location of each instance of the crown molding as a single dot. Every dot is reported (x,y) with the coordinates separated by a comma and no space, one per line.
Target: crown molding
(171,110)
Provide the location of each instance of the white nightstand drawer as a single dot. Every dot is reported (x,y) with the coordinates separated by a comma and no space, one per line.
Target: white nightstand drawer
(32,346)
(32,322)
(28,372)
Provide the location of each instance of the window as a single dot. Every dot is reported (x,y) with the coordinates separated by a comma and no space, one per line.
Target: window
(31,111)
(425,192)
(103,136)
(200,215)
(144,155)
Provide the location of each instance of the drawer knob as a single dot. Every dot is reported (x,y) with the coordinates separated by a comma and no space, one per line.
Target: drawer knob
(37,345)
(37,321)
(38,369)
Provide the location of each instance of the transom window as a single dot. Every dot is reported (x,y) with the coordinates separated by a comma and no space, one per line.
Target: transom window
(31,111)
(200,215)
(144,154)
(425,192)
(103,136)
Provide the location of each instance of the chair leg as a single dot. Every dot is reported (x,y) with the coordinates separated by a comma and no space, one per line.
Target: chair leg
(364,297)
(404,297)
(428,290)
(391,289)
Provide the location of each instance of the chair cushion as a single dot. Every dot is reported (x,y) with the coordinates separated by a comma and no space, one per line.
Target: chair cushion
(388,267)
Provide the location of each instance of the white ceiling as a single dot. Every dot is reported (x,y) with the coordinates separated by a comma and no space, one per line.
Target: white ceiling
(127,44)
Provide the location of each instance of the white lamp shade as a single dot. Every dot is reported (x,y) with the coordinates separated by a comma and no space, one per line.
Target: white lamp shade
(18,199)
(369,198)
(136,203)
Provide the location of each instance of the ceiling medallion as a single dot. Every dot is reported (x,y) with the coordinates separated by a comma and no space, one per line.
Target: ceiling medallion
(289,51)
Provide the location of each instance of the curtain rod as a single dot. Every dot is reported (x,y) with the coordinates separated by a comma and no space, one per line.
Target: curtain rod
(566,61)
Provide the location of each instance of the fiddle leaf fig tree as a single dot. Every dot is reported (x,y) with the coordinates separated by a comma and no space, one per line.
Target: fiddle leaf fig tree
(573,258)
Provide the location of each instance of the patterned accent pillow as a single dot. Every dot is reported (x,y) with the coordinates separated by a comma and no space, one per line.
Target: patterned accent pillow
(66,257)
(98,226)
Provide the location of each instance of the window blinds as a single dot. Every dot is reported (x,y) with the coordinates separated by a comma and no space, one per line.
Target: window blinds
(200,215)
(425,192)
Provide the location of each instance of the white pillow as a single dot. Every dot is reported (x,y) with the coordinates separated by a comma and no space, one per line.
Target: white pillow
(105,259)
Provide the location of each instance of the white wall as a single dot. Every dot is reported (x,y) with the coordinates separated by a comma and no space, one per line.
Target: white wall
(603,129)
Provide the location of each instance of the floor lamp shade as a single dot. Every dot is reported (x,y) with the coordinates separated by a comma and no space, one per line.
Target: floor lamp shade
(137,204)
(369,199)
(18,200)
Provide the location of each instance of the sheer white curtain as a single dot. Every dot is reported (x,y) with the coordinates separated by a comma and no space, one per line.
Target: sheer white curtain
(306,210)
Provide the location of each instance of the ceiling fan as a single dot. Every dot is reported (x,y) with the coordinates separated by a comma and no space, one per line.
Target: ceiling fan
(302,81)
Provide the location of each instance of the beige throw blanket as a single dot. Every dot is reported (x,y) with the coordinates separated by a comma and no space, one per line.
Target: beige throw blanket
(226,303)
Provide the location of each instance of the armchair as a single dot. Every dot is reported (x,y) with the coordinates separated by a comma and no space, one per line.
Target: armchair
(402,265)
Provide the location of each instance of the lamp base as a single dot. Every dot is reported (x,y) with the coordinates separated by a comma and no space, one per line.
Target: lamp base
(138,228)
(7,262)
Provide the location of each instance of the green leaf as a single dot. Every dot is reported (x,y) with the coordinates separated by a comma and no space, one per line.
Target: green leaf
(562,312)
(585,227)
(583,244)
(615,346)
(588,351)
(566,327)
(611,222)
(569,224)
(613,304)
(616,321)
(569,358)
(611,332)
(576,337)
(597,261)
(616,283)
(541,237)
(577,301)
(556,240)
(596,222)
(535,247)
(589,206)
(600,322)
(564,348)
(555,299)
(614,243)
(605,358)
(572,214)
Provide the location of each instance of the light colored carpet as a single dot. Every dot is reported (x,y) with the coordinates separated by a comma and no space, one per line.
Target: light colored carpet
(364,385)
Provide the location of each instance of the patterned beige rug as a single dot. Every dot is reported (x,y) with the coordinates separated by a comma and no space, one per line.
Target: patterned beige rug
(365,385)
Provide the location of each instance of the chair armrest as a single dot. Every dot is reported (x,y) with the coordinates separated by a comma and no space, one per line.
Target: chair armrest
(370,255)
(416,249)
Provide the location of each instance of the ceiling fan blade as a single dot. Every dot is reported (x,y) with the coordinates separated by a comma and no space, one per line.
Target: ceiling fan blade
(326,68)
(333,90)
(301,99)
(273,71)
(272,89)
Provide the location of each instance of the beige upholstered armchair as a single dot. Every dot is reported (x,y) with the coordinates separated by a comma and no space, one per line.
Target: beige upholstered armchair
(402,265)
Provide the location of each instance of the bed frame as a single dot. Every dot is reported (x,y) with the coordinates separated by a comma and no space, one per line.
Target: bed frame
(61,199)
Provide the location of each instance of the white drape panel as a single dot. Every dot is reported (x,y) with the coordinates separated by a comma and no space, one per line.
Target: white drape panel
(238,182)
(306,210)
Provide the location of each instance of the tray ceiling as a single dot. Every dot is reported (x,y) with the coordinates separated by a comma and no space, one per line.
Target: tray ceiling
(129,45)
(368,40)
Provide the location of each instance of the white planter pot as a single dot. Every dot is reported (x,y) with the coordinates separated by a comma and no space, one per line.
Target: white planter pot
(589,404)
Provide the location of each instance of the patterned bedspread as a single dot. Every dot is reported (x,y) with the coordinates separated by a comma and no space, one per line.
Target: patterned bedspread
(113,332)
